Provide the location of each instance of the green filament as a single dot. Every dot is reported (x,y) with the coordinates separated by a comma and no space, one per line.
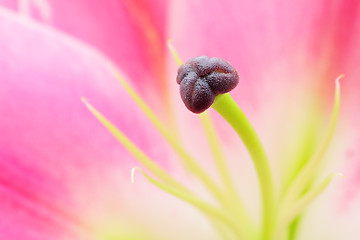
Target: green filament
(201,205)
(133,149)
(294,209)
(174,53)
(230,111)
(234,201)
(308,172)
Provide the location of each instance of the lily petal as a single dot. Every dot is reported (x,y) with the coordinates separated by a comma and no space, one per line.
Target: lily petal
(130,33)
(271,41)
(62,175)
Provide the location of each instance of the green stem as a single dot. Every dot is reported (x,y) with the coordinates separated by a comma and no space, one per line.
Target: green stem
(226,106)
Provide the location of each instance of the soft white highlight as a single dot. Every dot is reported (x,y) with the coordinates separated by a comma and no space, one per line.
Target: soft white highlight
(25,7)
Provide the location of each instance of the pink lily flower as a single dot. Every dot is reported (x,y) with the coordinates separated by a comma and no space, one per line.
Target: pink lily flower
(64,176)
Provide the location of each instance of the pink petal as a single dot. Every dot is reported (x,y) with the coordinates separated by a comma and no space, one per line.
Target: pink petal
(63,175)
(278,42)
(131,33)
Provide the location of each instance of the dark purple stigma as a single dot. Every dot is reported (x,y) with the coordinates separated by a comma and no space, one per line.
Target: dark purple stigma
(202,78)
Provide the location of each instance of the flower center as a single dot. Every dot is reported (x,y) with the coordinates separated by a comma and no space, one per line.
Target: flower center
(229,216)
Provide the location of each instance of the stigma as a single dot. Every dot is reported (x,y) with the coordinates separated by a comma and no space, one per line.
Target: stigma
(202,78)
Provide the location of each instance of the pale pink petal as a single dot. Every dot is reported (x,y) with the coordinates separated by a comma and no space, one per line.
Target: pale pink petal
(62,174)
(271,43)
(131,33)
